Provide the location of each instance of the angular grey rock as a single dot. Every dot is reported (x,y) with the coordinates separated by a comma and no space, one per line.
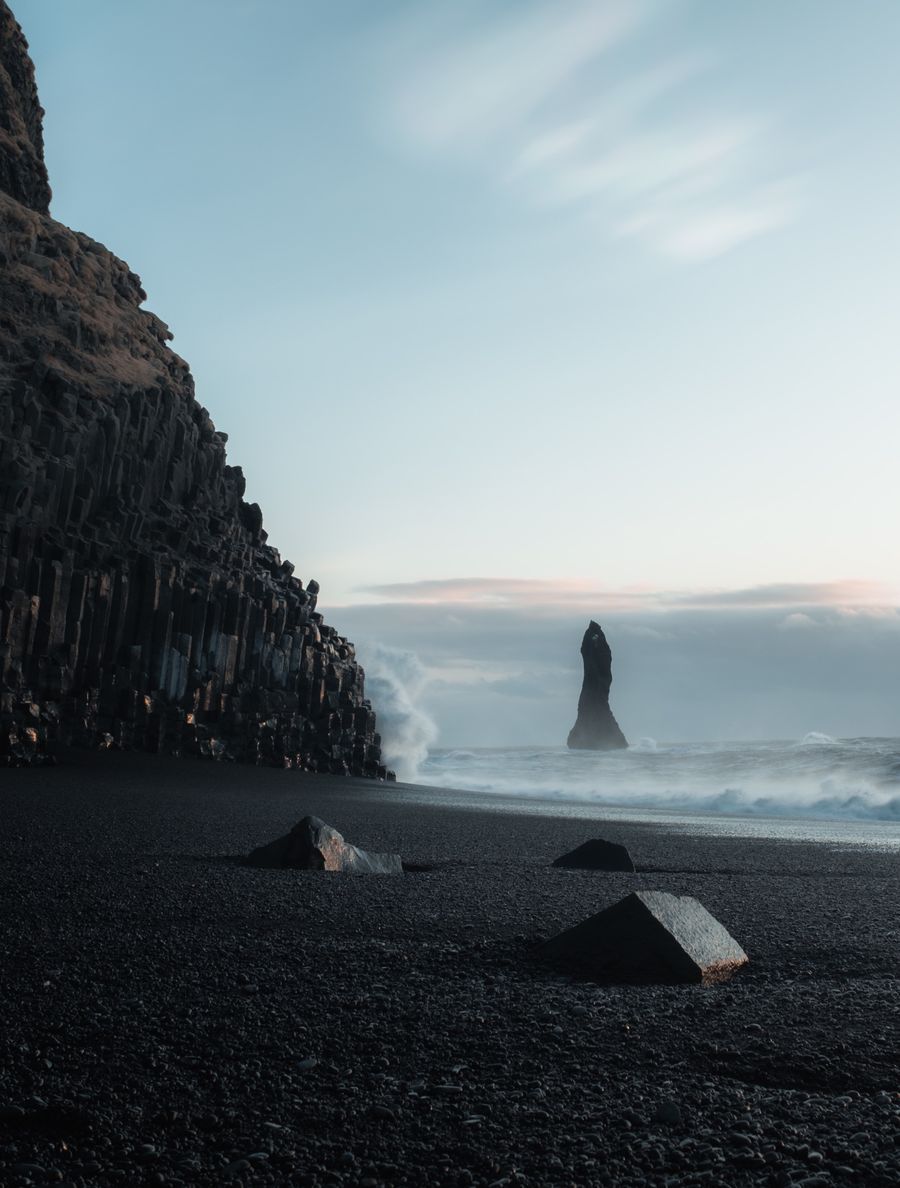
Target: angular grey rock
(313,845)
(595,727)
(649,936)
(597,854)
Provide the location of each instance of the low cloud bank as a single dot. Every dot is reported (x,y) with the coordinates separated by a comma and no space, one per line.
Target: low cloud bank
(510,675)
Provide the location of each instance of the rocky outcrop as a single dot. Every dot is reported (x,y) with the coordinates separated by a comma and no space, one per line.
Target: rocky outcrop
(22,171)
(595,727)
(140,602)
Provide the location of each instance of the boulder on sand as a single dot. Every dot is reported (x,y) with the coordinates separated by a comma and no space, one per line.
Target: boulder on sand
(313,845)
(597,854)
(649,936)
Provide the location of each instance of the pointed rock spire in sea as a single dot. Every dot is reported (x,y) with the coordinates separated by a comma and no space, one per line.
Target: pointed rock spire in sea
(595,727)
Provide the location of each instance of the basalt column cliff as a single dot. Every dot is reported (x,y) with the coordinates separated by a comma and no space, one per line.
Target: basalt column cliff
(140,605)
(595,727)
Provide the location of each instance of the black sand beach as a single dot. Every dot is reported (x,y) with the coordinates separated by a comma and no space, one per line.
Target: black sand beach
(173,1017)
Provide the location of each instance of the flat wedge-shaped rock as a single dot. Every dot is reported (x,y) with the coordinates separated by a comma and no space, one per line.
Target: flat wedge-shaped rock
(649,936)
(313,845)
(597,854)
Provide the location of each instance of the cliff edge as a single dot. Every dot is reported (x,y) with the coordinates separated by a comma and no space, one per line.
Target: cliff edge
(22,172)
(140,603)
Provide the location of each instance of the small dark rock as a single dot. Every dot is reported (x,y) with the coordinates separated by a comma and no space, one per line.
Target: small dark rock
(669,1113)
(597,854)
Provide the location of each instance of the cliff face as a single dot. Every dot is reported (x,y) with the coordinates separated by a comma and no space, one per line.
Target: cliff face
(140,604)
(22,171)
(595,727)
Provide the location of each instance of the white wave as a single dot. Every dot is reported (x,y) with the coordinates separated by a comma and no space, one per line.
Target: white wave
(395,681)
(856,779)
(645,744)
(815,739)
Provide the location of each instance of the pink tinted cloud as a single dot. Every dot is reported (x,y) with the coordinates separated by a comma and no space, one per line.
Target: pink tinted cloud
(525,592)
(540,593)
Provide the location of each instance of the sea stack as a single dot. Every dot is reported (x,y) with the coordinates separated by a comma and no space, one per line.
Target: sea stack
(595,728)
(140,603)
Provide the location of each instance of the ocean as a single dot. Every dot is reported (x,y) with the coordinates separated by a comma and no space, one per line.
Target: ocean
(841,790)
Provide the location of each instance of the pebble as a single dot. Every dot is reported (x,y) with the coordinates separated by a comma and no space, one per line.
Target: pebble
(668,1113)
(235,1168)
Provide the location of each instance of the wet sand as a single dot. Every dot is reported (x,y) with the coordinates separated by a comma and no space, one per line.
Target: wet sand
(173,1017)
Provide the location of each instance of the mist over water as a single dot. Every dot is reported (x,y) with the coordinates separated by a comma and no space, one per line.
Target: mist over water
(817,777)
(813,779)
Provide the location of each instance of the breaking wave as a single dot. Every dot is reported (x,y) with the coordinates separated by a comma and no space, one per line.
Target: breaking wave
(856,779)
(395,681)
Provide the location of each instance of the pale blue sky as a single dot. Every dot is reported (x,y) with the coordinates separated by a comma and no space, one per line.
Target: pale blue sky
(600,293)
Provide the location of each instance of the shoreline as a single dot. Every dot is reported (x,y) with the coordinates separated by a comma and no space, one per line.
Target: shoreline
(885,834)
(189,1020)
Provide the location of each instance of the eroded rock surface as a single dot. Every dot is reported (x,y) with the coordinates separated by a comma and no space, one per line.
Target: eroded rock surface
(313,845)
(140,603)
(595,727)
(22,170)
(649,936)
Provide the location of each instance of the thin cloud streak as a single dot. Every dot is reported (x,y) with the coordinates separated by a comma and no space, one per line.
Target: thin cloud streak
(535,593)
(533,98)
(493,79)
(773,595)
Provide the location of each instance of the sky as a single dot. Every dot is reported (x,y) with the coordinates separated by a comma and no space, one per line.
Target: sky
(522,313)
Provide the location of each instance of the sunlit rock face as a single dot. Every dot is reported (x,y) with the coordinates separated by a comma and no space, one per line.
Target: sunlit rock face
(313,845)
(140,603)
(595,728)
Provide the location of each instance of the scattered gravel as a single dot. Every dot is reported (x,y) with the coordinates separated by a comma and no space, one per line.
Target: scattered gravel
(172,1017)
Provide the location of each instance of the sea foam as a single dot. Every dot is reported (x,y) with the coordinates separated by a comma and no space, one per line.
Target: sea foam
(816,777)
(395,680)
